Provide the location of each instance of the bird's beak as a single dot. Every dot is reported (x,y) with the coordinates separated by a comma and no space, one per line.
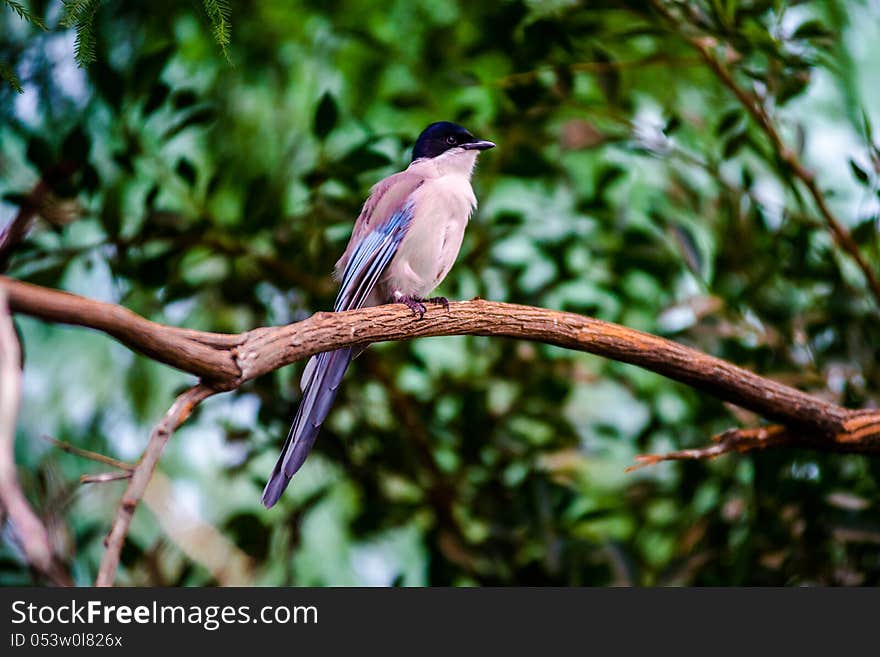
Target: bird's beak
(478,146)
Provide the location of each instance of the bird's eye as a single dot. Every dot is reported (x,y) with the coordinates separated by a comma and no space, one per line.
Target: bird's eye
(450,139)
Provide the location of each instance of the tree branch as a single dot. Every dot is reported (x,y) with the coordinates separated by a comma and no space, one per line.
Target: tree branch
(705,46)
(16,230)
(224,362)
(27,526)
(140,477)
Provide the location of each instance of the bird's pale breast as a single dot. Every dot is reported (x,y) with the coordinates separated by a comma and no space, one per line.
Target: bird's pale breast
(443,206)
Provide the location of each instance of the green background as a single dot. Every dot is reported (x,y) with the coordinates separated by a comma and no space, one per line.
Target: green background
(216,186)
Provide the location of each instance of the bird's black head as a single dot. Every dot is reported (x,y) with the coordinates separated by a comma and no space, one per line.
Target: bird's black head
(439,137)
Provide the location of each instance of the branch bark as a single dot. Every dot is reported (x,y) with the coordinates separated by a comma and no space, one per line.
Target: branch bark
(224,362)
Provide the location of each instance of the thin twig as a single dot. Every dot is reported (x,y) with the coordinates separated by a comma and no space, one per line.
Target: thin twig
(104,477)
(176,415)
(732,440)
(88,454)
(705,46)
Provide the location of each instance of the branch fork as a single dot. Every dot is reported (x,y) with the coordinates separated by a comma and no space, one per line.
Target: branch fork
(223,362)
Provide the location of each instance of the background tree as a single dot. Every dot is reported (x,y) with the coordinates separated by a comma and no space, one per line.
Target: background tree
(705,171)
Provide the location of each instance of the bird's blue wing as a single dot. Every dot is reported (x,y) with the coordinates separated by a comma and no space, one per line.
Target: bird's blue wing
(323,373)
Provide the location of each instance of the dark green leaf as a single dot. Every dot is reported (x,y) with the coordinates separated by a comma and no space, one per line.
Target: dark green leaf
(198,117)
(733,144)
(687,246)
(792,85)
(728,120)
(860,174)
(186,170)
(158,93)
(90,180)
(150,66)
(76,145)
(109,83)
(363,158)
(8,75)
(40,154)
(17,198)
(867,232)
(25,14)
(150,198)
(813,29)
(325,116)
(608,76)
(220,14)
(183,98)
(125,160)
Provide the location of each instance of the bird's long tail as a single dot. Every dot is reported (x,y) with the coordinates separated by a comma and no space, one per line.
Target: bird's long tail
(320,382)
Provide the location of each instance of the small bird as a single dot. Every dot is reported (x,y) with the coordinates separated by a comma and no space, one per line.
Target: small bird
(403,244)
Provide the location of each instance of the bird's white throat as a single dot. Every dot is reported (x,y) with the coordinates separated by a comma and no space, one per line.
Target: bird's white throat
(454,162)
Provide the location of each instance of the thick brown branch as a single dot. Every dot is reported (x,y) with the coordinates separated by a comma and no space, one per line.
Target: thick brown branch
(140,478)
(705,46)
(226,361)
(206,355)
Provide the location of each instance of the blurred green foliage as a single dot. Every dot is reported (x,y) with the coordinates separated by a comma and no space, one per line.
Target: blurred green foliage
(628,184)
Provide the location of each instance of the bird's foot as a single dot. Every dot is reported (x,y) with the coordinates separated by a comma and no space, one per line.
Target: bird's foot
(443,301)
(413,303)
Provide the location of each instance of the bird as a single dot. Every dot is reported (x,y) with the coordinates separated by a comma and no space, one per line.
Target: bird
(403,244)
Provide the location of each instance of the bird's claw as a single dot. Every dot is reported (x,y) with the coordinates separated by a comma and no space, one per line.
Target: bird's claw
(443,301)
(414,304)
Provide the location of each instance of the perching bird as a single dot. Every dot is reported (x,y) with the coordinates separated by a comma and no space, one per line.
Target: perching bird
(404,242)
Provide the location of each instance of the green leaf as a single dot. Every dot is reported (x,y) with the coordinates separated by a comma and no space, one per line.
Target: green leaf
(866,232)
(109,83)
(792,84)
(25,14)
(40,154)
(728,120)
(687,246)
(186,170)
(76,145)
(363,158)
(90,180)
(17,198)
(219,13)
(733,145)
(609,77)
(812,29)
(150,198)
(158,94)
(80,15)
(325,116)
(183,98)
(9,76)
(860,174)
(204,115)
(150,65)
